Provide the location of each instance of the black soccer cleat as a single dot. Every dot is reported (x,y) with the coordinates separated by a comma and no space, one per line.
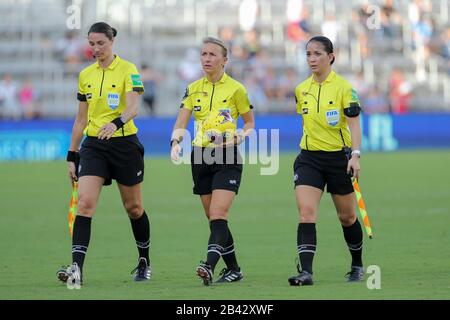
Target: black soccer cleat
(304,278)
(204,271)
(143,271)
(229,275)
(356,274)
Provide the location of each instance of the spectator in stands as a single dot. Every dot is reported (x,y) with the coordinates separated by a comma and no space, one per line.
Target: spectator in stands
(248,11)
(422,34)
(298,31)
(9,107)
(150,79)
(189,69)
(391,21)
(380,126)
(251,44)
(360,84)
(27,100)
(71,48)
(286,84)
(445,47)
(400,92)
(255,92)
(270,84)
(330,28)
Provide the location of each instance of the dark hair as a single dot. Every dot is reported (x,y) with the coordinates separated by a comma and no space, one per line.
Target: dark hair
(327,44)
(103,27)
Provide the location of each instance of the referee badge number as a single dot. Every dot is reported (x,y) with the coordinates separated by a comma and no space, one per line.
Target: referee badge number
(113,100)
(332,117)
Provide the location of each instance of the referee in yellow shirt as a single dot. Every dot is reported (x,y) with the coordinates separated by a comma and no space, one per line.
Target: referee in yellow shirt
(216,183)
(108,94)
(329,156)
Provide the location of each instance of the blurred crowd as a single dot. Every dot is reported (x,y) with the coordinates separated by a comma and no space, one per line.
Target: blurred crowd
(269,78)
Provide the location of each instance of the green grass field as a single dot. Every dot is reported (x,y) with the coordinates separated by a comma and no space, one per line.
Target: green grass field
(407,196)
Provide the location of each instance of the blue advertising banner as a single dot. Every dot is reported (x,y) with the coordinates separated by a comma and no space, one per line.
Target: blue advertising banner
(50,139)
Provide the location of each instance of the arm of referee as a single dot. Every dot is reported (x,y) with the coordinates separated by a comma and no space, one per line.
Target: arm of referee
(77,134)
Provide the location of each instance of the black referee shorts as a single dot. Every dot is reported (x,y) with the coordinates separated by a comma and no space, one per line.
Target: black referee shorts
(216,168)
(320,168)
(120,158)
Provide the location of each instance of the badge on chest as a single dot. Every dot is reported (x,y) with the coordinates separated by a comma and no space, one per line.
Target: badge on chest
(113,100)
(332,117)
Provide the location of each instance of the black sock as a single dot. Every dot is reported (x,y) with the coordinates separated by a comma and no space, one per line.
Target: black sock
(229,255)
(80,239)
(306,245)
(217,241)
(141,231)
(354,237)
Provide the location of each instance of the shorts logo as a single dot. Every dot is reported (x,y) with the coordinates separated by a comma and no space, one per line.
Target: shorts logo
(88,95)
(305,111)
(233,182)
(332,117)
(139,173)
(197,108)
(295,177)
(113,100)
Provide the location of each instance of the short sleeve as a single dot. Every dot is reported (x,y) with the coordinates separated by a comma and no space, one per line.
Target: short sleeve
(81,94)
(349,96)
(133,81)
(242,101)
(186,101)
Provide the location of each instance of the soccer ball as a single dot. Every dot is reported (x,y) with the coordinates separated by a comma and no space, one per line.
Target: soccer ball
(219,127)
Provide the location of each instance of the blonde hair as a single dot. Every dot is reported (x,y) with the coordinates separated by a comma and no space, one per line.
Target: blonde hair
(218,42)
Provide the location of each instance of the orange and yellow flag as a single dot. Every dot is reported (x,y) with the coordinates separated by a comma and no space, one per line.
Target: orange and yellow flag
(362,209)
(73,206)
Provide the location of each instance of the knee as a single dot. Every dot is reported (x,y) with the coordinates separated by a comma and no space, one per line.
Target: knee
(347,219)
(134,210)
(217,213)
(307,214)
(86,206)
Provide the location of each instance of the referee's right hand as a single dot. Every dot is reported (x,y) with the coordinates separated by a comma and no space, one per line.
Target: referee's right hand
(73,161)
(175,153)
(72,171)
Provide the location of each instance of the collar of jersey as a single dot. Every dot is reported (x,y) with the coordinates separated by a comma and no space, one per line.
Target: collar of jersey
(222,80)
(329,78)
(113,64)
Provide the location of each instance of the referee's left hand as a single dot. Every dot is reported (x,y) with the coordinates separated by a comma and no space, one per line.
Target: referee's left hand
(237,140)
(107,131)
(353,166)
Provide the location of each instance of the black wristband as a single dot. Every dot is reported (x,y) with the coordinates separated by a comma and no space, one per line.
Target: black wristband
(72,156)
(118,122)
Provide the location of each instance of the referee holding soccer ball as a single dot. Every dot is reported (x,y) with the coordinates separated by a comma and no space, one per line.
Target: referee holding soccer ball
(217,181)
(108,94)
(329,156)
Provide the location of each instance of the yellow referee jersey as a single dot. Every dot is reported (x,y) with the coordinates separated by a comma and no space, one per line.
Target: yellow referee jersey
(202,97)
(322,108)
(105,90)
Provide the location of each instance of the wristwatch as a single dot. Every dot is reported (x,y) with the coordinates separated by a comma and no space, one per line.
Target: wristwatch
(357,153)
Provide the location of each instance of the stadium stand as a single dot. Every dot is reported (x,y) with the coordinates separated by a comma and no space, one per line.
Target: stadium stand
(410,36)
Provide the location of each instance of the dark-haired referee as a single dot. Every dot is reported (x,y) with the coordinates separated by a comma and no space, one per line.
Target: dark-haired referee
(330,144)
(108,94)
